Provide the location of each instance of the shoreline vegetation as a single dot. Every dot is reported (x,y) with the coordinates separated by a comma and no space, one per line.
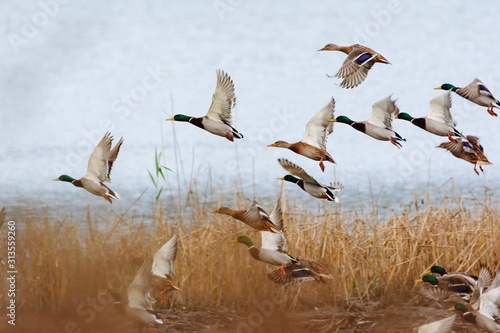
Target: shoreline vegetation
(63,268)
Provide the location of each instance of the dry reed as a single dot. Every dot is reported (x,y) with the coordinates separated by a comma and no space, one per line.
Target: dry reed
(61,264)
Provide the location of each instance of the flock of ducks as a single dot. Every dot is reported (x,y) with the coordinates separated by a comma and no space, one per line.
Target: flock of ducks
(157,274)
(476,298)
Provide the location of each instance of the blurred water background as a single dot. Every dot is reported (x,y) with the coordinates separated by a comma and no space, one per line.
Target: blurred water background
(71,70)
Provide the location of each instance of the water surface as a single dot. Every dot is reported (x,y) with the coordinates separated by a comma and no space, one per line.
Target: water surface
(125,66)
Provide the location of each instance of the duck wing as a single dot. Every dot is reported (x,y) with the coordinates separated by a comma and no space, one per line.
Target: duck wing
(223,99)
(357,59)
(163,259)
(438,326)
(383,112)
(97,169)
(275,240)
(295,170)
(113,154)
(439,109)
(137,291)
(459,148)
(474,90)
(318,128)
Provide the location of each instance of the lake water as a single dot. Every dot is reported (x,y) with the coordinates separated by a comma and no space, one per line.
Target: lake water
(71,70)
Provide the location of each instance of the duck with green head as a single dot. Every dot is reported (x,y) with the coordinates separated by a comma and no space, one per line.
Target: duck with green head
(309,184)
(477,93)
(438,121)
(219,118)
(456,284)
(99,169)
(441,271)
(483,318)
(313,145)
(379,126)
(360,59)
(273,251)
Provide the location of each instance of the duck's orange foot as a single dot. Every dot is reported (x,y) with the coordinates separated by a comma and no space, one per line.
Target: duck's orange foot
(452,139)
(107,198)
(282,270)
(321,165)
(229,136)
(491,112)
(397,144)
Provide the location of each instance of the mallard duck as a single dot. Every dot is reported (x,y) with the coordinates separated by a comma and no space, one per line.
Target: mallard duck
(468,149)
(255,217)
(359,61)
(308,183)
(139,307)
(477,93)
(438,326)
(462,280)
(379,126)
(487,316)
(99,169)
(163,269)
(459,284)
(219,118)
(472,279)
(313,145)
(438,121)
(274,251)
(478,318)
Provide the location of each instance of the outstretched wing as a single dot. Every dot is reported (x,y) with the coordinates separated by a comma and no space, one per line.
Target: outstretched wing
(223,100)
(474,89)
(113,154)
(295,170)
(255,213)
(383,112)
(439,109)
(275,241)
(355,67)
(163,259)
(458,148)
(438,326)
(356,60)
(138,289)
(318,128)
(97,169)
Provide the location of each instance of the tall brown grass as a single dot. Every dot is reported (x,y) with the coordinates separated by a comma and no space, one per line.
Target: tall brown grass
(61,264)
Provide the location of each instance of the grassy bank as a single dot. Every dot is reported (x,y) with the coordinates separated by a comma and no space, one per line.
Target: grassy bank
(61,265)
